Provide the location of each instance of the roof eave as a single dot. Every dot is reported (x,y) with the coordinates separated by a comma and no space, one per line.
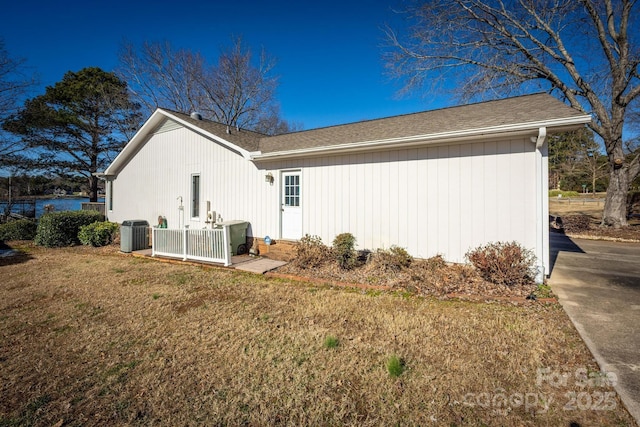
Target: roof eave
(520,129)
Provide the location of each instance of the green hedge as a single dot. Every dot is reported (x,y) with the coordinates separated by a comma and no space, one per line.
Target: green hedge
(22,229)
(62,228)
(98,233)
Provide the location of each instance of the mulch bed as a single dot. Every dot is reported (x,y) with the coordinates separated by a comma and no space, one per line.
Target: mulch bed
(422,277)
(588,227)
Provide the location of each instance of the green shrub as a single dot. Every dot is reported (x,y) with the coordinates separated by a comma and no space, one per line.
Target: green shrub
(97,233)
(504,263)
(311,252)
(393,259)
(344,250)
(62,228)
(22,229)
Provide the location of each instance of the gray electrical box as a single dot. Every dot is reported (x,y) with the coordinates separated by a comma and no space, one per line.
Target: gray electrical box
(134,235)
(237,235)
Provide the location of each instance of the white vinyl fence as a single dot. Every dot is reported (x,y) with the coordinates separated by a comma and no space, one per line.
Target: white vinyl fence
(200,245)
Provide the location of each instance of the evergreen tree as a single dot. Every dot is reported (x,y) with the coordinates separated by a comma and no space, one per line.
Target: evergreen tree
(78,124)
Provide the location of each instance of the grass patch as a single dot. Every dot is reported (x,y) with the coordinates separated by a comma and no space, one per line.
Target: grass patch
(180,278)
(29,415)
(331,342)
(543,291)
(395,366)
(120,370)
(233,349)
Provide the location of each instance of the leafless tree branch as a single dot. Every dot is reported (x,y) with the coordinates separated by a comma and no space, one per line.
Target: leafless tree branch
(234,91)
(585,51)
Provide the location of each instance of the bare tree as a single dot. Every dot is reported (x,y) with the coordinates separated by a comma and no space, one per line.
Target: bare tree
(564,158)
(158,76)
(235,91)
(575,157)
(593,162)
(15,82)
(585,51)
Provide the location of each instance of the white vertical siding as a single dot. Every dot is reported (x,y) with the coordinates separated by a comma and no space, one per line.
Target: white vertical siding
(467,195)
(413,199)
(436,200)
(161,172)
(430,200)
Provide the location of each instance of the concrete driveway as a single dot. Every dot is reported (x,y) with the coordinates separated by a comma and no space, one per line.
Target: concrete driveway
(598,284)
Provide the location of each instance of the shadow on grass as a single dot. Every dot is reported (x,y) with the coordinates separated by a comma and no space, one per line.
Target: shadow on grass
(10,256)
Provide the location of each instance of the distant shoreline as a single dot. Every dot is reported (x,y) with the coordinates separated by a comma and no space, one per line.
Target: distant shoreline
(49,196)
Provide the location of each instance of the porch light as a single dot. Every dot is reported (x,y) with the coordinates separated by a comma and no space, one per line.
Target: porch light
(269,178)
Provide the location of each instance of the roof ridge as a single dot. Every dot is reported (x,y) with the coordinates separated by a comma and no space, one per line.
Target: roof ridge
(188,116)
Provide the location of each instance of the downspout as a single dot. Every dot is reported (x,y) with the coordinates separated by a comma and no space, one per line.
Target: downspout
(542,206)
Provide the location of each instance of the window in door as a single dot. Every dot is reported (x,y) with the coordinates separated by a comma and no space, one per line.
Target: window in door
(292,190)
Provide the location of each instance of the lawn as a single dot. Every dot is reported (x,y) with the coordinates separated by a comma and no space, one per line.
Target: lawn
(594,212)
(93,337)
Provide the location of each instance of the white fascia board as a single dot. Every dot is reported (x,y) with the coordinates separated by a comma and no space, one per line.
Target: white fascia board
(530,128)
(141,137)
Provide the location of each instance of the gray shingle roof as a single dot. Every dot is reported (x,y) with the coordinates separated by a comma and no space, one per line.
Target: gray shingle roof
(522,109)
(243,138)
(509,111)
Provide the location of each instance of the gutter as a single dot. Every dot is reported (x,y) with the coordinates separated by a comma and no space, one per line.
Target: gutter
(519,129)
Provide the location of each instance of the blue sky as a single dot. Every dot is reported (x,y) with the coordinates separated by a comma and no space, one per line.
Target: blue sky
(329,53)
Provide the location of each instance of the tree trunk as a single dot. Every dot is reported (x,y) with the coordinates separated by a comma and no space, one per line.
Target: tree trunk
(93,188)
(615,205)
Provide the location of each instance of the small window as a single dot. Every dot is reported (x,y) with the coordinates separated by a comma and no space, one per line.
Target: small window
(110,195)
(195,196)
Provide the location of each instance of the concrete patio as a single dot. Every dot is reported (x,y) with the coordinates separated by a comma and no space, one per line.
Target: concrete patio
(257,265)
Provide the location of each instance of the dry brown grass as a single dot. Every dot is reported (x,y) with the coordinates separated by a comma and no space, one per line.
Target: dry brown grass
(594,212)
(90,337)
(576,207)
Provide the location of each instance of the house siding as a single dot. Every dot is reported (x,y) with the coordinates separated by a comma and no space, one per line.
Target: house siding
(150,184)
(430,200)
(433,200)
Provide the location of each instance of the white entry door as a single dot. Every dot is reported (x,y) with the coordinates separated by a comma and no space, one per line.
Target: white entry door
(291,208)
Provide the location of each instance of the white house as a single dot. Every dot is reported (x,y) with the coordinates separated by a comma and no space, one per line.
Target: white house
(435,182)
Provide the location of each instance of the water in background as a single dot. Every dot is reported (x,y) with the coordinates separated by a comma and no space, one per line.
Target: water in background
(62,204)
